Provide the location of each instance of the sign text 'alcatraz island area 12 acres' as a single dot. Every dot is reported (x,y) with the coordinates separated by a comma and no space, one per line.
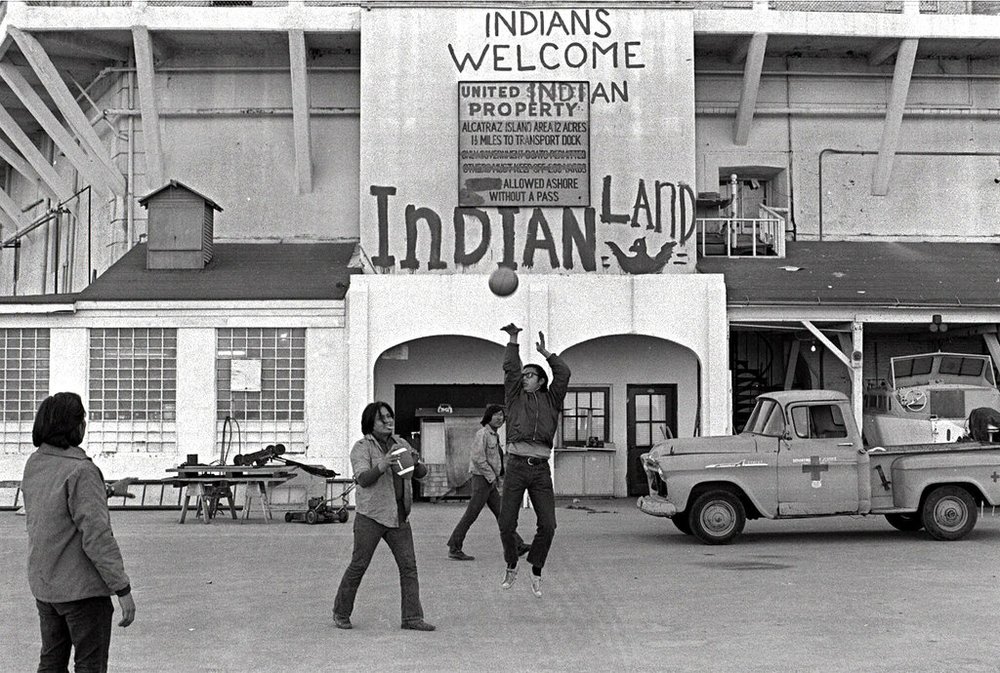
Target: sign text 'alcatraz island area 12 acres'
(524,143)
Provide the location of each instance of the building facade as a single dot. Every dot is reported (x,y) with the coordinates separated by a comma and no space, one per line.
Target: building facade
(701,200)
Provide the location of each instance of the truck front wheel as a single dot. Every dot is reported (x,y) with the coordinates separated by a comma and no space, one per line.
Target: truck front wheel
(949,513)
(905,522)
(717,517)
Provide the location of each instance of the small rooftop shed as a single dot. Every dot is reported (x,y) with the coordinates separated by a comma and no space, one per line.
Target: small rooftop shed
(180,227)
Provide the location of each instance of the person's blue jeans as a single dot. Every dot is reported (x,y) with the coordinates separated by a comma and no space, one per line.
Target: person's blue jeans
(367,534)
(83,625)
(534,477)
(484,494)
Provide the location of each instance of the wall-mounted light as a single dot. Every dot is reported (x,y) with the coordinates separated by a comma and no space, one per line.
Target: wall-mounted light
(812,346)
(937,324)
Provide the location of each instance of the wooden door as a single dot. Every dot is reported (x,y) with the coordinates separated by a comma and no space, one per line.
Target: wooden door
(652,417)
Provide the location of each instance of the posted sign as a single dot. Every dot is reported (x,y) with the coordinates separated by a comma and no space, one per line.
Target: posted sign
(523,144)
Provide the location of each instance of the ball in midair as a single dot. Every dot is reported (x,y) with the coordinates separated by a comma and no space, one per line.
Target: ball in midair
(503,281)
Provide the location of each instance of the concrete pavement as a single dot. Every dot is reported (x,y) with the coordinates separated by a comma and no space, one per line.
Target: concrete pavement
(622,592)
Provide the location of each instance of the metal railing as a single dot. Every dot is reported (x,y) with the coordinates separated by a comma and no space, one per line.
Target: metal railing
(741,236)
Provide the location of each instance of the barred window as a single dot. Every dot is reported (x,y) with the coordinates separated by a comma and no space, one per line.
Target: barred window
(133,389)
(24,383)
(585,415)
(261,388)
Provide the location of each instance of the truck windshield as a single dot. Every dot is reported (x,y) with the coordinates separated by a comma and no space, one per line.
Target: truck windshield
(766,419)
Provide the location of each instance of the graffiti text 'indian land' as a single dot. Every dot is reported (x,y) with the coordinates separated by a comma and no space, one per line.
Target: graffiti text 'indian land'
(667,206)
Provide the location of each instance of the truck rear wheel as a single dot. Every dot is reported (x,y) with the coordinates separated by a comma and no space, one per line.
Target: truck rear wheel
(949,513)
(905,522)
(717,517)
(682,522)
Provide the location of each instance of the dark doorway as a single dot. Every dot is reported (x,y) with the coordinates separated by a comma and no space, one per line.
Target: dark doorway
(652,417)
(410,397)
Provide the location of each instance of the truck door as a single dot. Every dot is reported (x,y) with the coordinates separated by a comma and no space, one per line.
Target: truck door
(817,462)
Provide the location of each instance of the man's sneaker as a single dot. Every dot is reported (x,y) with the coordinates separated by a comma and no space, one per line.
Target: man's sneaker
(523,549)
(536,585)
(509,576)
(459,555)
(417,625)
(342,622)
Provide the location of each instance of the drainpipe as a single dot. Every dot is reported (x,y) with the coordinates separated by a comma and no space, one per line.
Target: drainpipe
(864,152)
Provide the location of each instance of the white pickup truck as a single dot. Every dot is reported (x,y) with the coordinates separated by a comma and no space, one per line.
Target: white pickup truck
(800,455)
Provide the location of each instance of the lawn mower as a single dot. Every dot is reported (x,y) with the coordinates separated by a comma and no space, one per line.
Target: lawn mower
(322,510)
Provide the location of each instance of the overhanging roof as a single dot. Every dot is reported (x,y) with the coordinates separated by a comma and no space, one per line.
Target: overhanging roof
(238,271)
(868,274)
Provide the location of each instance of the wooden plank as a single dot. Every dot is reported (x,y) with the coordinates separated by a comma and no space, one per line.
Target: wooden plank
(751,86)
(300,110)
(905,59)
(155,173)
(21,165)
(34,157)
(64,100)
(92,170)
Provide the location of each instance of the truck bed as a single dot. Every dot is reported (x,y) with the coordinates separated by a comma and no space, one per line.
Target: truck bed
(931,448)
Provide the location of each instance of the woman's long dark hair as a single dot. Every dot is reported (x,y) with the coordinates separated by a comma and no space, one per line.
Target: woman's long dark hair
(58,421)
(490,410)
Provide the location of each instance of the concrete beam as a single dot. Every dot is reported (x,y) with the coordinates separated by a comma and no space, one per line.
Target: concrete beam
(21,165)
(894,116)
(146,77)
(34,157)
(751,86)
(64,100)
(300,110)
(94,171)
(883,53)
(12,211)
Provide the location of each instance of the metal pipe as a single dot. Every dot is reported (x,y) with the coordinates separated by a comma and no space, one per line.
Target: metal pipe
(849,73)
(830,150)
(239,112)
(854,111)
(240,68)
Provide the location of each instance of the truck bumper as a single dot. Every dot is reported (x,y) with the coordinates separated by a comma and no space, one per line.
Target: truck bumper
(655,505)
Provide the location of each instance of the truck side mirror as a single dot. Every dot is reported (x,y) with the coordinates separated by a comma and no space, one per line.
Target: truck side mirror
(787,435)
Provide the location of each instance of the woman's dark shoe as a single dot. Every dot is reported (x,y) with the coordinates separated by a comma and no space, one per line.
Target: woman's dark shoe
(459,555)
(342,622)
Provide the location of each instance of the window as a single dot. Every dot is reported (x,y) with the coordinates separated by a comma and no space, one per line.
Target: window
(766,419)
(961,366)
(260,378)
(819,421)
(585,415)
(24,383)
(133,390)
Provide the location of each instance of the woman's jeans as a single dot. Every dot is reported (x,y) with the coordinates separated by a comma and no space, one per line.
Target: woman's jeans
(367,534)
(531,475)
(84,625)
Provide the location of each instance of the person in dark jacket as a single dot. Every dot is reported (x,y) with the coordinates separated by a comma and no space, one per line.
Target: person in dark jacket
(382,511)
(533,407)
(74,563)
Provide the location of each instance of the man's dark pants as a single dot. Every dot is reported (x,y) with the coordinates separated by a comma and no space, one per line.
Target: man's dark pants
(84,625)
(531,475)
(484,494)
(367,534)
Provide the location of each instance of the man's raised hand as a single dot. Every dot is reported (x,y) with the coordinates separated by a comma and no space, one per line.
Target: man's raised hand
(511,329)
(540,345)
